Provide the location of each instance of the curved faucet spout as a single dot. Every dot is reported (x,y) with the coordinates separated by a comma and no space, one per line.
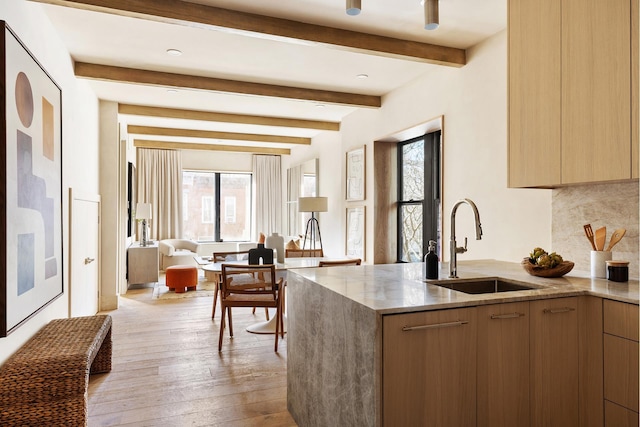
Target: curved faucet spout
(453,246)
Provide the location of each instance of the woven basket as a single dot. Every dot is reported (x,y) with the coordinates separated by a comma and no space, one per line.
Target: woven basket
(558,271)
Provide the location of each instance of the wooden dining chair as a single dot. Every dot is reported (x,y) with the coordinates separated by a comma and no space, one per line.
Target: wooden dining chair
(226,257)
(250,286)
(355,261)
(303,253)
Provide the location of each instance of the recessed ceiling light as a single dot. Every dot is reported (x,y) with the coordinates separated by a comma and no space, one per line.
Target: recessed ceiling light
(172,90)
(362,76)
(174,52)
(319,106)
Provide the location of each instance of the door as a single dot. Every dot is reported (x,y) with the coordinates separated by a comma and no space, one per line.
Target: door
(429,368)
(503,364)
(554,362)
(84,282)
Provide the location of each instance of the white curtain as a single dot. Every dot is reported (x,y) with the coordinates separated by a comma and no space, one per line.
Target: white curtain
(160,183)
(294,180)
(267,180)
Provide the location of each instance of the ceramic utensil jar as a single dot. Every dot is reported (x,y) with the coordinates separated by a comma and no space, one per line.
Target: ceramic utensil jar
(598,264)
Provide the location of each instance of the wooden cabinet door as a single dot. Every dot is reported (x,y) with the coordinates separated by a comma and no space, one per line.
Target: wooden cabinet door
(618,416)
(429,368)
(503,365)
(554,362)
(621,354)
(534,109)
(596,90)
(621,371)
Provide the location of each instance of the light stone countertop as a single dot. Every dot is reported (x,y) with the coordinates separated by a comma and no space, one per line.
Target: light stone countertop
(401,288)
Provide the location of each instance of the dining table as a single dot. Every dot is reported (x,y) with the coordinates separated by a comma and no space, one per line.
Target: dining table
(268,326)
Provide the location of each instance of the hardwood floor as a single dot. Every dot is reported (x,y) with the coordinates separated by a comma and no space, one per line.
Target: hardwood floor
(167,370)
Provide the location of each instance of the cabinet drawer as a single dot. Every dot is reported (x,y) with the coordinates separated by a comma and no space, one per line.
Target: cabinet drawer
(621,319)
(617,416)
(621,371)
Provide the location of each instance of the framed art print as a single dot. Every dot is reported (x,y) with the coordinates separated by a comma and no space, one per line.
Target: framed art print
(355,232)
(356,174)
(31,210)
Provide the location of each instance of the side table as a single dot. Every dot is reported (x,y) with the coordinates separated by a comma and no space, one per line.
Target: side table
(142,263)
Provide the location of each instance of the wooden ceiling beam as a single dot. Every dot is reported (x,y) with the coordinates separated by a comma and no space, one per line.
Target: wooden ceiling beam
(209,17)
(157,78)
(210,116)
(168,145)
(210,134)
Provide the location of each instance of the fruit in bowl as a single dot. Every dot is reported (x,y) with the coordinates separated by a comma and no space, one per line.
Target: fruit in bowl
(543,264)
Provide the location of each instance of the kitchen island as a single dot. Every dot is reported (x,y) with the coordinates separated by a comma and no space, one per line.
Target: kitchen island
(337,316)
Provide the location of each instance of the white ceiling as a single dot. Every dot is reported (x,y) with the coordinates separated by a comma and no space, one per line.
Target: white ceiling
(110,39)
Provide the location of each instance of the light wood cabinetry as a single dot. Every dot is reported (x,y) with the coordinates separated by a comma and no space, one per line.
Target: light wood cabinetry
(503,365)
(620,363)
(590,362)
(554,362)
(534,92)
(571,92)
(142,263)
(429,368)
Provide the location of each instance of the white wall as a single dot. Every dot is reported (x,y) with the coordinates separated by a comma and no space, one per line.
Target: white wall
(473,101)
(79,139)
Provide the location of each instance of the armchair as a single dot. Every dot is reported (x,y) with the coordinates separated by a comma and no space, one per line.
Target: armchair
(177,252)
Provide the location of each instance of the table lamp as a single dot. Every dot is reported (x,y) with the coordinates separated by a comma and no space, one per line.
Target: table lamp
(143,212)
(313,205)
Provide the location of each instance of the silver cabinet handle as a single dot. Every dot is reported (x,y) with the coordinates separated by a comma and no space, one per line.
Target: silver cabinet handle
(558,310)
(89,260)
(435,325)
(507,316)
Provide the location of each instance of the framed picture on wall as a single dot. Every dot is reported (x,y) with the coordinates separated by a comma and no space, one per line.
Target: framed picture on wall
(355,244)
(31,213)
(356,174)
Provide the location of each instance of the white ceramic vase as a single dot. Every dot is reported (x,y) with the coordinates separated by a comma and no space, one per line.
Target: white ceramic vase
(276,242)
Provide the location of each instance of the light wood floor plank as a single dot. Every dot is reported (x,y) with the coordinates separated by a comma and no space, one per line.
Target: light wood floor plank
(167,370)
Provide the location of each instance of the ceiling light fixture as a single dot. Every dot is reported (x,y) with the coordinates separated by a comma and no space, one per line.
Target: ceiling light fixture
(362,76)
(172,91)
(353,7)
(431,15)
(174,52)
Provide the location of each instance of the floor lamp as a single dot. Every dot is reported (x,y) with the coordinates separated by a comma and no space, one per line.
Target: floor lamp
(313,205)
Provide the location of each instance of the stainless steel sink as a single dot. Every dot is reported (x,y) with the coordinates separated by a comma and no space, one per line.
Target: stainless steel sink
(483,286)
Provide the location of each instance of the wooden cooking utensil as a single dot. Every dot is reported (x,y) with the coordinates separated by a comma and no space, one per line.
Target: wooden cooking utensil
(616,237)
(600,237)
(589,232)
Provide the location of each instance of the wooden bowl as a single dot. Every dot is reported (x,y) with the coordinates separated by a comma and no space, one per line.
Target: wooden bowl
(558,271)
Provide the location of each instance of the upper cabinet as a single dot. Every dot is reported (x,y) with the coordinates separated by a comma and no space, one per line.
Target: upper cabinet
(573,92)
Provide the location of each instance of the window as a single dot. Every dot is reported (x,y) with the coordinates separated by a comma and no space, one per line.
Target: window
(418,196)
(207,211)
(230,210)
(217,206)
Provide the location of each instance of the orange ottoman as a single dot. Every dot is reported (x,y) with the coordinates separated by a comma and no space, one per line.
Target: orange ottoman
(181,278)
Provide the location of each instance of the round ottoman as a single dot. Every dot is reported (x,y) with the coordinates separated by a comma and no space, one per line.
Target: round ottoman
(181,278)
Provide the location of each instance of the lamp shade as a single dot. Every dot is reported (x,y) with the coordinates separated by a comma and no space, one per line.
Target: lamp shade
(312,204)
(143,211)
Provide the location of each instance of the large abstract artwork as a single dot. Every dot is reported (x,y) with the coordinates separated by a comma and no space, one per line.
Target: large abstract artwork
(31,201)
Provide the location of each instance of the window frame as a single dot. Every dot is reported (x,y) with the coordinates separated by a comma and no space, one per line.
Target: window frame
(431,198)
(217,199)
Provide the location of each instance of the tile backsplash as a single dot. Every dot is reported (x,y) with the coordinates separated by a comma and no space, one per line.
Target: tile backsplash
(610,205)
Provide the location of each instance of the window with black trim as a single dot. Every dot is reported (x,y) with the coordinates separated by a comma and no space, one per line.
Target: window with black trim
(418,196)
(217,206)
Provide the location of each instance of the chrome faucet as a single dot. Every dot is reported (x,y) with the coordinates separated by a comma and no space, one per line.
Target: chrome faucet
(453,246)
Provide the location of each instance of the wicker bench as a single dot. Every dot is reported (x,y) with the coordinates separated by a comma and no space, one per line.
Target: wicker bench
(45,382)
